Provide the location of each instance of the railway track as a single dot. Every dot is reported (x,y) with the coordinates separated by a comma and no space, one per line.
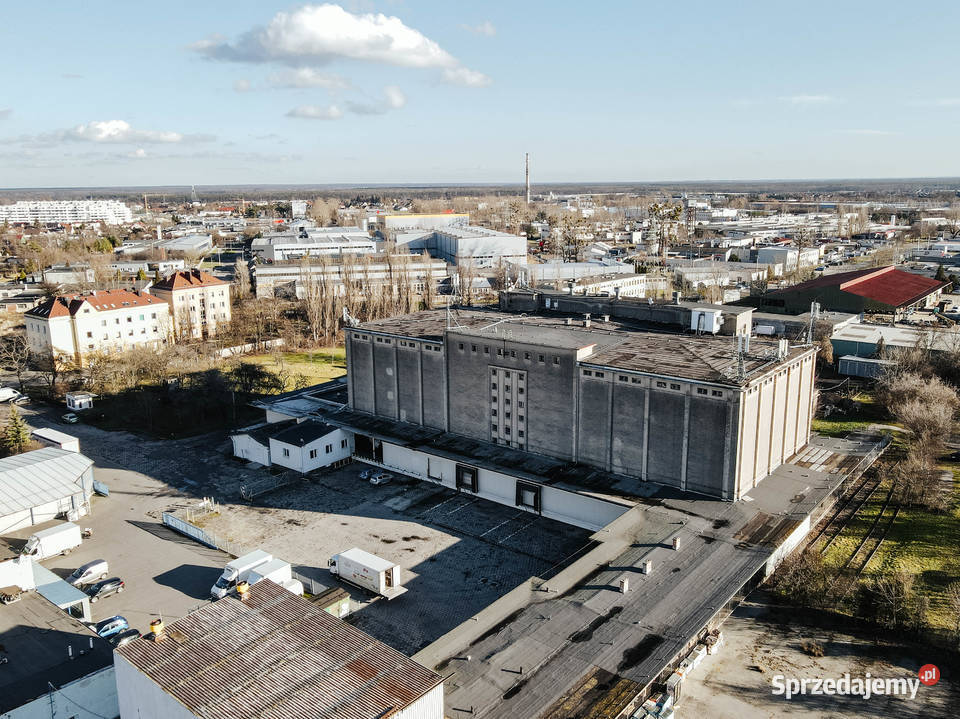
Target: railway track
(846,510)
(874,537)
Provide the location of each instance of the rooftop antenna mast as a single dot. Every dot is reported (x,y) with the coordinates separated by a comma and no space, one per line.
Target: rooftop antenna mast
(814,316)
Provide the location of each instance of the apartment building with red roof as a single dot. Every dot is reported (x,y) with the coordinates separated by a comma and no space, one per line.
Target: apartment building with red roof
(77,325)
(199,302)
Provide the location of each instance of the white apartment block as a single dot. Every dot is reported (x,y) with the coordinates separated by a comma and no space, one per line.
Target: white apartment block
(75,326)
(112,212)
(199,302)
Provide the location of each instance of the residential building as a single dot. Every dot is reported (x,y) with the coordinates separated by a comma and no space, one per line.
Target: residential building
(17,299)
(199,302)
(64,212)
(65,275)
(305,240)
(882,290)
(38,486)
(74,326)
(596,392)
(54,666)
(270,654)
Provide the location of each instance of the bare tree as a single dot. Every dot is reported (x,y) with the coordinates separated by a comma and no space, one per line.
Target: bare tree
(15,355)
(242,278)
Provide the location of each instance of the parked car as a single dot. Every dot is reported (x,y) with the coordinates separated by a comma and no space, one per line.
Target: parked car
(105,588)
(70,418)
(381,478)
(89,573)
(367,473)
(124,637)
(108,627)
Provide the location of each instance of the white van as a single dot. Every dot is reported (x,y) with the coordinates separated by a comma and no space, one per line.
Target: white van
(89,573)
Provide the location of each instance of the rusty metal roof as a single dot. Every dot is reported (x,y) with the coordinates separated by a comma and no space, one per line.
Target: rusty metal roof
(276,655)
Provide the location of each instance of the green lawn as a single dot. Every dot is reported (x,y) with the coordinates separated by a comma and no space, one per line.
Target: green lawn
(839,427)
(925,545)
(317,366)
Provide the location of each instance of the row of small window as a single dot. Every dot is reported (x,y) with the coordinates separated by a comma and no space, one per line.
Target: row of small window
(116,320)
(660,385)
(519,445)
(506,414)
(506,430)
(506,402)
(506,388)
(106,336)
(328,449)
(506,374)
(503,353)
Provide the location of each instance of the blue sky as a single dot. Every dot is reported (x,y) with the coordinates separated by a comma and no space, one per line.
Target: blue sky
(209,92)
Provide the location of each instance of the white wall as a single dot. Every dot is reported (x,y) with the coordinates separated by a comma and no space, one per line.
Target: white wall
(562,505)
(429,706)
(139,697)
(338,442)
(92,697)
(245,447)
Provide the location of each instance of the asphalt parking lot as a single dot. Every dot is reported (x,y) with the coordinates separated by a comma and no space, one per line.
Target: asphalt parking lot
(163,572)
(458,553)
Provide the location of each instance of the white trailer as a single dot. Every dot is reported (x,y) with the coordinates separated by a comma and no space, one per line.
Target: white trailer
(47,543)
(368,571)
(238,570)
(279,572)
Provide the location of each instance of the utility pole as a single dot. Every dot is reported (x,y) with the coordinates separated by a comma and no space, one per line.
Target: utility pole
(527,157)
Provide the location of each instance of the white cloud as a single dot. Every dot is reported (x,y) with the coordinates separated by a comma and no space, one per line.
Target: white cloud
(393,99)
(486,28)
(106,132)
(315,35)
(466,77)
(808,99)
(242,85)
(316,112)
(120,131)
(307,77)
(321,33)
(137,154)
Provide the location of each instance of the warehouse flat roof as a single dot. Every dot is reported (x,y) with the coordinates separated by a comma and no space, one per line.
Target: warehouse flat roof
(36,636)
(275,655)
(618,345)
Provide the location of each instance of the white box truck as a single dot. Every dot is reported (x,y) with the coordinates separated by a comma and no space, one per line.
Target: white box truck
(368,571)
(279,572)
(46,543)
(238,570)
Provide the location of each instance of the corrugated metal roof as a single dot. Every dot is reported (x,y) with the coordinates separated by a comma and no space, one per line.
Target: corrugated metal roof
(276,655)
(54,589)
(44,475)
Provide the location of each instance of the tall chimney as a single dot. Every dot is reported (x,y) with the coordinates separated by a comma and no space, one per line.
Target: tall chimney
(527,157)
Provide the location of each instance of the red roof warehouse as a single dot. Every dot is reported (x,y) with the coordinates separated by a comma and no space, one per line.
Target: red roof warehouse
(879,289)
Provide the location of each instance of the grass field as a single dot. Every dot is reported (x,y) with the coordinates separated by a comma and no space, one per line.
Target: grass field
(316,366)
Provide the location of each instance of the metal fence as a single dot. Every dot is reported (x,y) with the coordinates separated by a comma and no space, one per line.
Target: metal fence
(182,521)
(310,585)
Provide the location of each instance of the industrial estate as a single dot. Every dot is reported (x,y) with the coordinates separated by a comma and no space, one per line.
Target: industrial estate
(545,450)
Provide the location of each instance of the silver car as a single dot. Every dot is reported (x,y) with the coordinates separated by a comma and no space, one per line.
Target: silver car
(89,573)
(381,478)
